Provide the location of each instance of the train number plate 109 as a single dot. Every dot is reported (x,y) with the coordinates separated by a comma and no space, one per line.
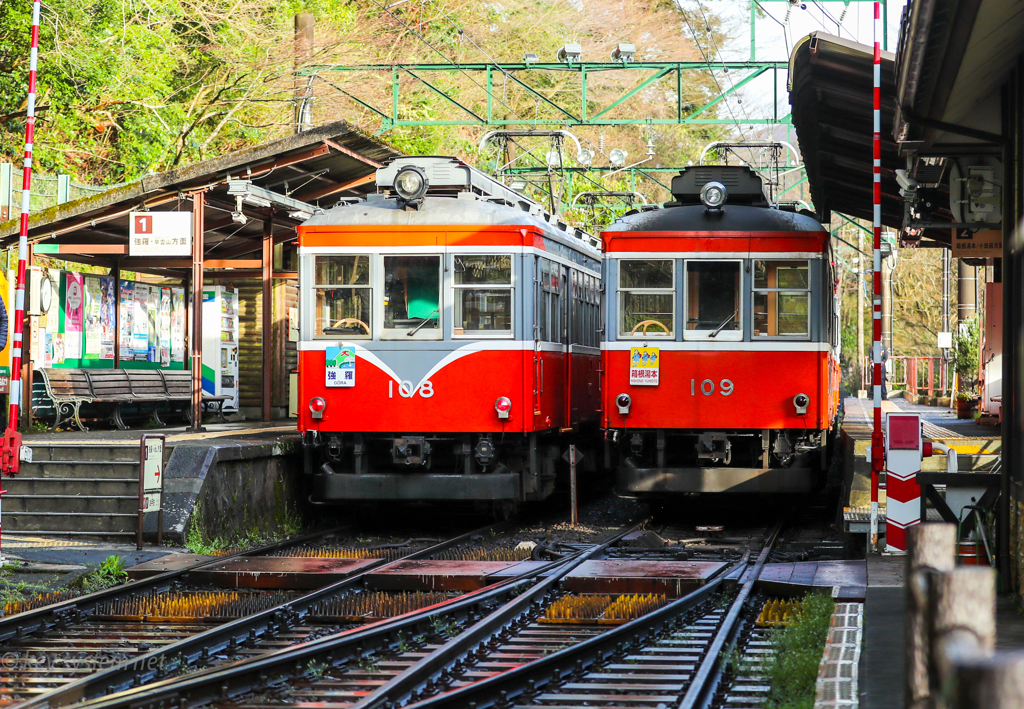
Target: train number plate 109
(644,366)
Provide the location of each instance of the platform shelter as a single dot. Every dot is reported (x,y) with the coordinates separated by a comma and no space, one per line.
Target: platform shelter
(229,220)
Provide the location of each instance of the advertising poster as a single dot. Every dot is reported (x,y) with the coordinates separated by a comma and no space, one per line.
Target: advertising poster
(74,316)
(153,317)
(127,311)
(165,327)
(140,323)
(108,320)
(177,325)
(93,327)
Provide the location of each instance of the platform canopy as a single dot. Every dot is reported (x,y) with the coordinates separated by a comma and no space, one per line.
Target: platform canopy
(317,168)
(831,94)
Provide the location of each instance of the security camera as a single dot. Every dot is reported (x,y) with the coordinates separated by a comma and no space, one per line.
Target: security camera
(906,182)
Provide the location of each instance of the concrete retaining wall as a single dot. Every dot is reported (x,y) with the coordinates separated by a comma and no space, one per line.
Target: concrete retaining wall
(238,488)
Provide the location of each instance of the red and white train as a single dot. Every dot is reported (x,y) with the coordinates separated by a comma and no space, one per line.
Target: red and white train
(721,347)
(455,339)
(449,342)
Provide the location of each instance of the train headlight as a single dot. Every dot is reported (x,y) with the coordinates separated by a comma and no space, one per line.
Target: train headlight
(503,405)
(801,401)
(317,406)
(713,195)
(411,184)
(624,401)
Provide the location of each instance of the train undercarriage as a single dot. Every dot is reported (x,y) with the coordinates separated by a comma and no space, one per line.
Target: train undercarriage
(666,461)
(346,467)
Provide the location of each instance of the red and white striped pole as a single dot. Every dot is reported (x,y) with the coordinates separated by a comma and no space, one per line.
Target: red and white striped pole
(877,441)
(10,451)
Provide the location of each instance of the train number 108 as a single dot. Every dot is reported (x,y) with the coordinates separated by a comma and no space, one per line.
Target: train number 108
(407,389)
(707,387)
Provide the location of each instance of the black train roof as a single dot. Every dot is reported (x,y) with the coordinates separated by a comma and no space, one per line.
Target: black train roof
(734,217)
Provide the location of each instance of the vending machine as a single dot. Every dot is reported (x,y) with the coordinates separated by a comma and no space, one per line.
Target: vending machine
(220,344)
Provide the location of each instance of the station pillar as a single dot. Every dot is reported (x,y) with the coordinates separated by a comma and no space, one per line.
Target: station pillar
(904,451)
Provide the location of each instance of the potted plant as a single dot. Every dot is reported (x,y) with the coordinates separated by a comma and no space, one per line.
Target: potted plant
(965,364)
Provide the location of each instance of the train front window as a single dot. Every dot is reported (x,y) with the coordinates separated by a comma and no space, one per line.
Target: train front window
(412,295)
(341,286)
(782,296)
(646,298)
(713,307)
(483,294)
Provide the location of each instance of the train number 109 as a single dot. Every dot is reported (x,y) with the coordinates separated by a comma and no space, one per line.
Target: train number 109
(407,389)
(707,387)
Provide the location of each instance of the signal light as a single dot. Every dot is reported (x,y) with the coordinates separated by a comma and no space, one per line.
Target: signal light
(503,405)
(317,405)
(713,195)
(624,401)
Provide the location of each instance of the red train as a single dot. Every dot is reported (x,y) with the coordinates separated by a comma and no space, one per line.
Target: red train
(455,339)
(449,341)
(720,355)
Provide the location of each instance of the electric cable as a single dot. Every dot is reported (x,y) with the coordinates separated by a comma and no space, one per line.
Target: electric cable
(718,51)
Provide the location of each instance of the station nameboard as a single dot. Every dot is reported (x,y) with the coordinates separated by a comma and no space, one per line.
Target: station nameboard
(160,234)
(985,243)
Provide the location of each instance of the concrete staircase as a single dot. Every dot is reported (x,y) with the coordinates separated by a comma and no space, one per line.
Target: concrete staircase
(75,490)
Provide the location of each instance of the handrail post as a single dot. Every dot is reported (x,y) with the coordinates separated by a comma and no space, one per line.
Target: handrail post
(931,548)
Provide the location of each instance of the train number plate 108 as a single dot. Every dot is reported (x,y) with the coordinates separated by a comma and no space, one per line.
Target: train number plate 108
(644,366)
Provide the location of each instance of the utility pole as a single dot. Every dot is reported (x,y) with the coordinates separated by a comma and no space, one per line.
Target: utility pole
(946,265)
(887,303)
(302,86)
(967,294)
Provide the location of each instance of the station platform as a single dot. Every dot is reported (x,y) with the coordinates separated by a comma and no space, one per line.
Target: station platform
(228,480)
(978,449)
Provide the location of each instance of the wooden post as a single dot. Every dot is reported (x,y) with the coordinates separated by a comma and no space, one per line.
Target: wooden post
(574,514)
(196,339)
(931,377)
(961,621)
(987,683)
(267,334)
(930,548)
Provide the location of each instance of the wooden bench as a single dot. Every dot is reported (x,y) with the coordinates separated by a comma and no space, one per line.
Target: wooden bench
(69,389)
(148,388)
(111,386)
(178,384)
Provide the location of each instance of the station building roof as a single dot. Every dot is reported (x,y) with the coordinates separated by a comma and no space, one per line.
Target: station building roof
(319,167)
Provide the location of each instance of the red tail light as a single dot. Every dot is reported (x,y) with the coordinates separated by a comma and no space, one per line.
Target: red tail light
(503,405)
(317,405)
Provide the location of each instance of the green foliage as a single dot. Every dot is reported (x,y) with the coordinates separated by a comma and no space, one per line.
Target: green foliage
(965,355)
(797,650)
(109,573)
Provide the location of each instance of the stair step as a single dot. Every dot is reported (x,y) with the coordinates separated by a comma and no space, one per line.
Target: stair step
(71,522)
(122,470)
(58,452)
(63,486)
(70,504)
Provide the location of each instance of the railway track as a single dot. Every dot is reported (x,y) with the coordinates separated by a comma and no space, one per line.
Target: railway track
(93,645)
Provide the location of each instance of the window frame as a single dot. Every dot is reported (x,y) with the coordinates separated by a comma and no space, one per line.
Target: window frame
(392,333)
(754,290)
(620,298)
(510,287)
(724,335)
(369,285)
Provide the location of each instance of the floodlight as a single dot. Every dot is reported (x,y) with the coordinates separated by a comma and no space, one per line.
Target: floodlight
(554,158)
(617,157)
(517,185)
(530,58)
(585,157)
(623,53)
(569,53)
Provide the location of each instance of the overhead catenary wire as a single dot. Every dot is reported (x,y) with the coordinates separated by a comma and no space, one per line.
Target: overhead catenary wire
(718,51)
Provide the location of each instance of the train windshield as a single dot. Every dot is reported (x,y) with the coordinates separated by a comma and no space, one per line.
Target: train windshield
(647,298)
(713,307)
(782,295)
(342,292)
(412,295)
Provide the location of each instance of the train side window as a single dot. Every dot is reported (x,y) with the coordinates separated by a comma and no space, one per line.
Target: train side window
(483,295)
(342,296)
(782,298)
(412,296)
(647,298)
(713,305)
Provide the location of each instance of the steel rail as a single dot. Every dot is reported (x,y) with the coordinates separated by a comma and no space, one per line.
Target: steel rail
(198,648)
(73,610)
(240,678)
(525,681)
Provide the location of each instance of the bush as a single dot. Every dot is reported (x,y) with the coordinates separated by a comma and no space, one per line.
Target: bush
(797,652)
(965,355)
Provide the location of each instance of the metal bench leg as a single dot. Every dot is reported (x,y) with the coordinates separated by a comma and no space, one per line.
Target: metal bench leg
(78,405)
(220,412)
(118,421)
(156,415)
(58,406)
